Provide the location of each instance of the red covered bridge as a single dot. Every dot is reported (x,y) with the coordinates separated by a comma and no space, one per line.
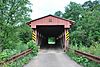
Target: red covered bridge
(51,26)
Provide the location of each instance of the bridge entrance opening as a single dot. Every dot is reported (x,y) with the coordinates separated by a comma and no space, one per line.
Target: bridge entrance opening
(51,31)
(49,36)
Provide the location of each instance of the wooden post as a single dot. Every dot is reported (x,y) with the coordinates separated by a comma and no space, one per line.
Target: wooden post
(40,39)
(63,39)
(34,36)
(66,40)
(61,42)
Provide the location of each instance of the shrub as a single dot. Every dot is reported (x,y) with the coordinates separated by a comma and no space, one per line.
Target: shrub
(20,62)
(82,60)
(21,46)
(33,46)
(7,53)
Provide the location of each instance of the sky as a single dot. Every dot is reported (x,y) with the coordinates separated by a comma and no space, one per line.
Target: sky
(42,8)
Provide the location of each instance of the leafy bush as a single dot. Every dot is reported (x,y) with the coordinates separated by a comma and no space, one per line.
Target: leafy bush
(82,60)
(8,38)
(20,62)
(33,46)
(95,49)
(25,34)
(21,46)
(7,53)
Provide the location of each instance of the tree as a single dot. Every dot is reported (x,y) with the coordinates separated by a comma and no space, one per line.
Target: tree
(15,11)
(13,14)
(25,33)
(58,13)
(88,27)
(86,30)
(72,11)
(89,5)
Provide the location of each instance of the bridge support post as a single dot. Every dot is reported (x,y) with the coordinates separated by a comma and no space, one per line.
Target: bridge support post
(34,36)
(40,39)
(66,40)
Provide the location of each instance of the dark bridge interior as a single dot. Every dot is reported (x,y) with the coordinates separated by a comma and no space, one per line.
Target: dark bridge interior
(45,32)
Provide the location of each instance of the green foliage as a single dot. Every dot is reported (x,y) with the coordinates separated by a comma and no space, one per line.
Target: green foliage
(15,11)
(51,40)
(20,62)
(81,60)
(95,50)
(8,38)
(58,13)
(33,46)
(13,15)
(14,33)
(21,46)
(86,29)
(7,53)
(90,5)
(25,33)
(72,11)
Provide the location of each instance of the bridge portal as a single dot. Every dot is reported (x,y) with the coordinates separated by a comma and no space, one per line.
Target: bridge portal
(51,31)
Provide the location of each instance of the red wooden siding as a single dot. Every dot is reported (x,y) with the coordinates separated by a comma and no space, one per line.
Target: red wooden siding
(50,20)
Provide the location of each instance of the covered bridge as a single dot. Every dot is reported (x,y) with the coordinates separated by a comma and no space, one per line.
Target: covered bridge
(51,26)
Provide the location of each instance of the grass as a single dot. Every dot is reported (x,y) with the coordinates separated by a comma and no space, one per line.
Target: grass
(82,60)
